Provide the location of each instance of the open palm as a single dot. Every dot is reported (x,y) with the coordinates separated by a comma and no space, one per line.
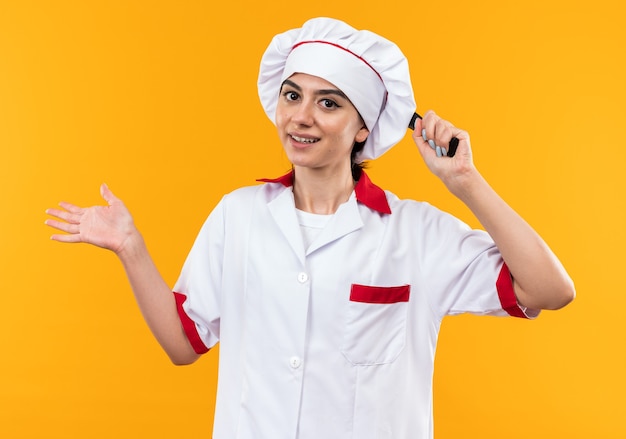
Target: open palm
(107,226)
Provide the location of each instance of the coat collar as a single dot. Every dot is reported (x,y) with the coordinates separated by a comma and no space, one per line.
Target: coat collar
(367,193)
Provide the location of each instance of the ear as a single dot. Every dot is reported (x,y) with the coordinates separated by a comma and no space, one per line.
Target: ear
(362,134)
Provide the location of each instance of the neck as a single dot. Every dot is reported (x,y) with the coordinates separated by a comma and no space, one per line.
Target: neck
(321,192)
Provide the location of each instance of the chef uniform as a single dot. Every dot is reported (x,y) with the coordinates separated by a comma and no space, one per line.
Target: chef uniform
(332,334)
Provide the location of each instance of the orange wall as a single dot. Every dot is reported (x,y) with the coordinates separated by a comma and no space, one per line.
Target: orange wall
(158,99)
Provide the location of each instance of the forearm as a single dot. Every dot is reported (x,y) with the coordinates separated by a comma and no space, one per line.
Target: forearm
(540,279)
(156,301)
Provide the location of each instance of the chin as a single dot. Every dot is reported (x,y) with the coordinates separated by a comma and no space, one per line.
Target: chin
(299,159)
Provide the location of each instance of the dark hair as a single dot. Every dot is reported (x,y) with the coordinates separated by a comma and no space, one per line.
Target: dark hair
(357,168)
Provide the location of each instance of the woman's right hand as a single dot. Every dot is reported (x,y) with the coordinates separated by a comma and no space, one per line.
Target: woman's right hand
(112,227)
(109,226)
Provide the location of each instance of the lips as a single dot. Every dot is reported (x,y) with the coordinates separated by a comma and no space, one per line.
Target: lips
(304,139)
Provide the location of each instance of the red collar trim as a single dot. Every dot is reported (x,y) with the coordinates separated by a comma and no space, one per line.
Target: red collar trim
(367,193)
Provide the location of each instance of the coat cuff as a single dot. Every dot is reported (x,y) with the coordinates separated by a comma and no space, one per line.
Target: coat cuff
(507,297)
(189,326)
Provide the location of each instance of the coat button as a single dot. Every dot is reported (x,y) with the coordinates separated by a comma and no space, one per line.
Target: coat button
(303,277)
(295,362)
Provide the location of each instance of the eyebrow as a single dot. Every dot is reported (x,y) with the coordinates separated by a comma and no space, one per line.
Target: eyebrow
(330,91)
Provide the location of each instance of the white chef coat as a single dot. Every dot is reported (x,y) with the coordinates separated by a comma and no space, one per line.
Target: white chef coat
(336,340)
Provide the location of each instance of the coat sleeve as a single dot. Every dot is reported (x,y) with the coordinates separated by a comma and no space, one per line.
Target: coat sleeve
(463,269)
(198,288)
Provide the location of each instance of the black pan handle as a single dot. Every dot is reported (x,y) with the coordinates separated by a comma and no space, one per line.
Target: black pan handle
(452,146)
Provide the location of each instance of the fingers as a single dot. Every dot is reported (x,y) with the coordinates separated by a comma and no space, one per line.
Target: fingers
(69,215)
(68,221)
(420,137)
(108,195)
(72,239)
(433,134)
(438,133)
(70,208)
(63,226)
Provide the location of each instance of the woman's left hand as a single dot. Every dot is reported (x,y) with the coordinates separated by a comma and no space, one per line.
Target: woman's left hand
(540,281)
(432,135)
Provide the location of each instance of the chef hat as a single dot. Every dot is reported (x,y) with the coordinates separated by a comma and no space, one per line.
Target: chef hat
(369,69)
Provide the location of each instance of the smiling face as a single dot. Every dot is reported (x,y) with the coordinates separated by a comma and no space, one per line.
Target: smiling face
(317,124)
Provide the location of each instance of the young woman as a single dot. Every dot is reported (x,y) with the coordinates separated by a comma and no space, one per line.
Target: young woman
(325,292)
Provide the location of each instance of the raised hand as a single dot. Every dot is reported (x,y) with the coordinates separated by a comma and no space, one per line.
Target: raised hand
(109,227)
(432,135)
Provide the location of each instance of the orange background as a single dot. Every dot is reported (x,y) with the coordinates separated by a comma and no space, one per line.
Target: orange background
(158,99)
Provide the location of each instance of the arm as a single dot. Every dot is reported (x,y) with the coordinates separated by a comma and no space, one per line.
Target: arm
(112,227)
(539,279)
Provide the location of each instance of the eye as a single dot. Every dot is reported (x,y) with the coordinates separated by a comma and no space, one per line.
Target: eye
(329,103)
(291,95)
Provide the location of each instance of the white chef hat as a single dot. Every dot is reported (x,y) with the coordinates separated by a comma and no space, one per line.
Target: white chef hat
(371,71)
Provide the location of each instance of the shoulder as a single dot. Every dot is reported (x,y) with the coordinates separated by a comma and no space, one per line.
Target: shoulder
(242,204)
(414,212)
(264,191)
(250,200)
(401,207)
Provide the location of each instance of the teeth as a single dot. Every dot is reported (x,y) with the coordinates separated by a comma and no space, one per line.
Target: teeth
(303,139)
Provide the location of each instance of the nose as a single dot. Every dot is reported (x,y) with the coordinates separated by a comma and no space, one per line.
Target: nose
(303,114)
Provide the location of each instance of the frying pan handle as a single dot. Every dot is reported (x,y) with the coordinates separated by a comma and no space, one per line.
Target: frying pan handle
(454,142)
